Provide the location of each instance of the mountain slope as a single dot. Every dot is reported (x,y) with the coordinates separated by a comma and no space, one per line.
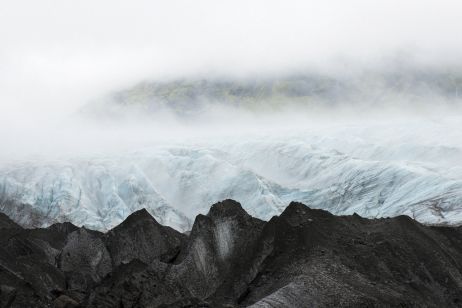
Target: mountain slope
(302,257)
(367,88)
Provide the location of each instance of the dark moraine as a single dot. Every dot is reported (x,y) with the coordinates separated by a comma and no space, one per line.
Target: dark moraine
(302,258)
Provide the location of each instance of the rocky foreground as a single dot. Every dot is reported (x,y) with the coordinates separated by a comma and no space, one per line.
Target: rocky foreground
(302,258)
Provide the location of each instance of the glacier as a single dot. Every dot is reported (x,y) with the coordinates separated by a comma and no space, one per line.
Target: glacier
(412,167)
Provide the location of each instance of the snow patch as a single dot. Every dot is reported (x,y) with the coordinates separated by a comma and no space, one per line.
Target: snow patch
(223,233)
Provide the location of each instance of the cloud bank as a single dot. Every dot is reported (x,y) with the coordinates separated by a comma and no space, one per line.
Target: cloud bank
(57,55)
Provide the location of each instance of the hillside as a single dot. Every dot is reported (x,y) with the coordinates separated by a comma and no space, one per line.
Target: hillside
(230,259)
(189,95)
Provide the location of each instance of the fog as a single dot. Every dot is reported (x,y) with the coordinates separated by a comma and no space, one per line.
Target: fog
(58,56)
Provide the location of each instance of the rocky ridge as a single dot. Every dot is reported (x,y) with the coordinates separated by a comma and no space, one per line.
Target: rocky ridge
(303,258)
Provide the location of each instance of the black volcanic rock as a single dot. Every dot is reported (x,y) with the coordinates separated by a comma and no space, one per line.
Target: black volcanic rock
(7,223)
(28,271)
(137,284)
(141,237)
(302,258)
(349,262)
(84,259)
(218,253)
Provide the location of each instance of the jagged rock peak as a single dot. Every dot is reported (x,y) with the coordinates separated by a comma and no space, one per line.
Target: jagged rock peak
(141,237)
(65,227)
(227,208)
(136,217)
(142,213)
(303,257)
(299,209)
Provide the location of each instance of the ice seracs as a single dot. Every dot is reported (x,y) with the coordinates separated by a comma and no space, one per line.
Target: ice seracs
(346,170)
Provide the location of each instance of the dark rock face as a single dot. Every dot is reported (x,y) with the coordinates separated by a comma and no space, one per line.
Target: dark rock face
(217,256)
(7,223)
(84,259)
(141,237)
(302,258)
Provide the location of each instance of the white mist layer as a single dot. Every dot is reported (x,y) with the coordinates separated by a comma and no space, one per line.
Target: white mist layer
(374,168)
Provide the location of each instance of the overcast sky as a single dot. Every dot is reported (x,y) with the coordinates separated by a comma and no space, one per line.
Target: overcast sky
(57,55)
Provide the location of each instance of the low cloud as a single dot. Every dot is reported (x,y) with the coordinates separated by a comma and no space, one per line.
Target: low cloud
(57,56)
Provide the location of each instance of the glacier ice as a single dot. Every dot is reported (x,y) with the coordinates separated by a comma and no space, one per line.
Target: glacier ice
(375,171)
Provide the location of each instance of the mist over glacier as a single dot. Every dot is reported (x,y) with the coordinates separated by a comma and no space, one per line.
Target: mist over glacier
(375,162)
